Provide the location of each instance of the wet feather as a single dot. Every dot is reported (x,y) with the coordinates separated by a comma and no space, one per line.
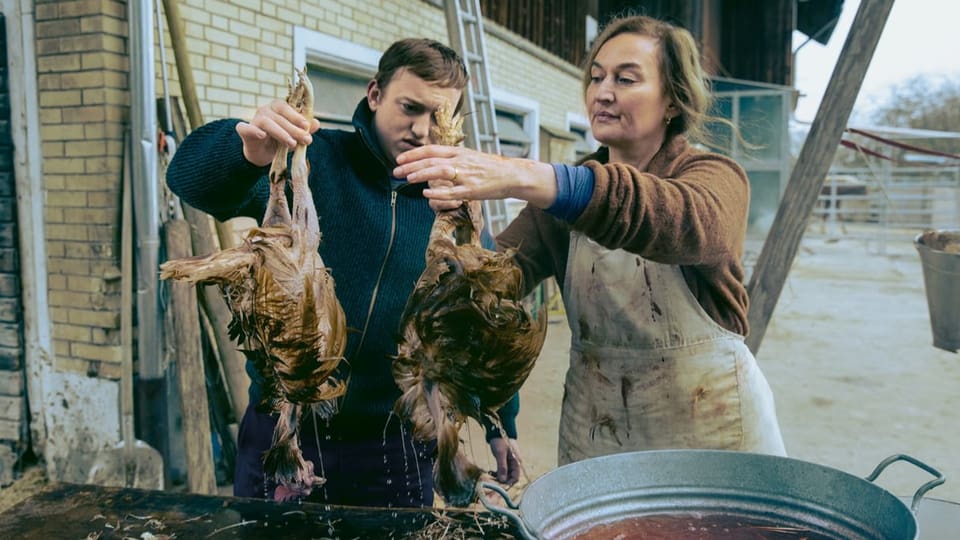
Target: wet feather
(467,341)
(286,316)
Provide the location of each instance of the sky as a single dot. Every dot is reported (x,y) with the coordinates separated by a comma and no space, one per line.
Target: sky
(920,38)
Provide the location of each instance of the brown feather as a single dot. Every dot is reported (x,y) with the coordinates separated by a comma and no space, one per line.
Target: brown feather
(467,341)
(286,316)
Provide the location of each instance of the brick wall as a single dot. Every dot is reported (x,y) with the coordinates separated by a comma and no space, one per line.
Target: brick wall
(12,400)
(83,95)
(241,54)
(241,51)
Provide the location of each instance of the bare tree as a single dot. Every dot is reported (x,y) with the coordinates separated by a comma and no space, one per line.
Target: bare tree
(924,103)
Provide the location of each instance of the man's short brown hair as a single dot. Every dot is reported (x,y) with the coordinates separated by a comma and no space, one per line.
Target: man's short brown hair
(430,60)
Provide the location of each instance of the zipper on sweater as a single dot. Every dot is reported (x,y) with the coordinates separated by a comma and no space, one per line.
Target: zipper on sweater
(383,267)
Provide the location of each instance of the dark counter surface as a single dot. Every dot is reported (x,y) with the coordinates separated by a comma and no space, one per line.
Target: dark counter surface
(78,512)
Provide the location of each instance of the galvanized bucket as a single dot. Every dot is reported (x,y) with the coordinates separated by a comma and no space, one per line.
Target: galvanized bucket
(941,277)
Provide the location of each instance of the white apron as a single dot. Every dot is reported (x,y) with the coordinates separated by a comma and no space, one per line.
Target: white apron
(649,369)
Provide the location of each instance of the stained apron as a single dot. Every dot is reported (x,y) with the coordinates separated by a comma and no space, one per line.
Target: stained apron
(649,369)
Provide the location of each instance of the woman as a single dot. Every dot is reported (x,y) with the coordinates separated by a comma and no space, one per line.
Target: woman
(646,237)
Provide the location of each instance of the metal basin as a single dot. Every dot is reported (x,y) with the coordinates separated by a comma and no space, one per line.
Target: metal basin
(790,492)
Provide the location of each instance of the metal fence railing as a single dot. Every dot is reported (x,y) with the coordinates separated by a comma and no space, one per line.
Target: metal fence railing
(890,202)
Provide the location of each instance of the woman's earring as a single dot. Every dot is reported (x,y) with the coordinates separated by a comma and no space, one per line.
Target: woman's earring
(666,121)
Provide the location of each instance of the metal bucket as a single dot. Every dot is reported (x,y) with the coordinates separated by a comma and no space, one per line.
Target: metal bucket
(575,497)
(941,278)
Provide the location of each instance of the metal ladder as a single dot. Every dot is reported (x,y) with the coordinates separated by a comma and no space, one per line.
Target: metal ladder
(465,28)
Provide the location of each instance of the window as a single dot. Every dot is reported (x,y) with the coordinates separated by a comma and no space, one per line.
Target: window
(518,124)
(518,127)
(581,147)
(335,97)
(339,71)
(584,143)
(514,141)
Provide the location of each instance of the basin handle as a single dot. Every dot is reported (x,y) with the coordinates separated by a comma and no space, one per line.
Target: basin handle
(923,489)
(511,511)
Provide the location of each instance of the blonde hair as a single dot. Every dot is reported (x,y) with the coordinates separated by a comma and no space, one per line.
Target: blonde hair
(684,81)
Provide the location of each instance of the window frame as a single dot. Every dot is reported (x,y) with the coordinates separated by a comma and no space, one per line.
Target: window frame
(334,55)
(524,107)
(581,122)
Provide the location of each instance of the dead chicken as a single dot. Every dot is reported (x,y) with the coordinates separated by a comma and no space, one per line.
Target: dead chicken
(467,341)
(286,316)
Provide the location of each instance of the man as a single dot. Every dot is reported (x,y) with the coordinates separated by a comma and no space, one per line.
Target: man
(375,232)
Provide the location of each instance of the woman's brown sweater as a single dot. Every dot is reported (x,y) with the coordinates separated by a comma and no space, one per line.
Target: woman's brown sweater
(688,209)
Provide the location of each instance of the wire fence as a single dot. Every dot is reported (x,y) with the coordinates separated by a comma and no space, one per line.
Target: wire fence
(887,203)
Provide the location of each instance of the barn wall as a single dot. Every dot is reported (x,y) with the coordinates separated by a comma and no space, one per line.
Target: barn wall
(82,77)
(247,64)
(241,54)
(82,83)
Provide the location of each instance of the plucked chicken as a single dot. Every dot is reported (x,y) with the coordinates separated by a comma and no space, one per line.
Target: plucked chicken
(467,341)
(286,316)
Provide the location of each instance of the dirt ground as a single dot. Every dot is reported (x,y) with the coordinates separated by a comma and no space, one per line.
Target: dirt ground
(848,354)
(850,359)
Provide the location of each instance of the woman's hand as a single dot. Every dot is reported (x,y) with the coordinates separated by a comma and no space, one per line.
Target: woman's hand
(439,205)
(272,125)
(455,173)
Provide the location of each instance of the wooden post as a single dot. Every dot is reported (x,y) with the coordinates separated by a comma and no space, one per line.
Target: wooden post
(806,180)
(232,360)
(204,241)
(201,477)
(178,41)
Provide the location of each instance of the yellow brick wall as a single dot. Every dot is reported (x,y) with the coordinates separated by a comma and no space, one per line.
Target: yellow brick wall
(241,51)
(241,54)
(82,81)
(515,70)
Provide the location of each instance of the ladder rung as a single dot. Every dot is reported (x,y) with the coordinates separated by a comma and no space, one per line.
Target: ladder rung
(465,26)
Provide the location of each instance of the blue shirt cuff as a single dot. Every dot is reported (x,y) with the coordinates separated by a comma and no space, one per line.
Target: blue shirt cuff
(574,190)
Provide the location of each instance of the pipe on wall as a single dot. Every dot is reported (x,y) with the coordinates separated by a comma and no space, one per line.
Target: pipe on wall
(143,124)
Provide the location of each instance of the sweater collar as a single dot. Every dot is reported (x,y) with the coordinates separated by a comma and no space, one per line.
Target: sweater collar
(659,164)
(363,123)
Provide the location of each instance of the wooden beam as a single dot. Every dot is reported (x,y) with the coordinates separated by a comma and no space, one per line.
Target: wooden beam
(205,241)
(191,375)
(806,180)
(232,361)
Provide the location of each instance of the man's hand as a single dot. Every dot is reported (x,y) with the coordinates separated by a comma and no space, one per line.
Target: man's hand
(508,466)
(272,125)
